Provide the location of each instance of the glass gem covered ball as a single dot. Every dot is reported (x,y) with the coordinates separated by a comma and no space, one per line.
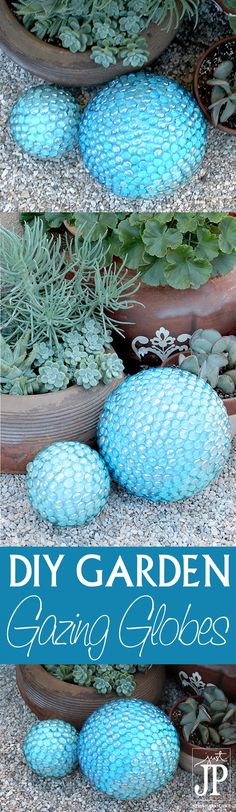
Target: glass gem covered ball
(50,748)
(164,434)
(45,120)
(128,749)
(142,135)
(68,483)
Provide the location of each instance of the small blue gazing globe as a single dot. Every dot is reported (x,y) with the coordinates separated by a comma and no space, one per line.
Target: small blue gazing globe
(68,483)
(164,434)
(128,749)
(142,135)
(45,120)
(50,748)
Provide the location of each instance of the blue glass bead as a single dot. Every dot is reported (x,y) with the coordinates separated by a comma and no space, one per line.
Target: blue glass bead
(68,483)
(128,749)
(142,135)
(45,120)
(50,748)
(164,434)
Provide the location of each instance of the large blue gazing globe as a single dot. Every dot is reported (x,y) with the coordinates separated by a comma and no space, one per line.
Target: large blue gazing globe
(164,434)
(50,748)
(45,120)
(68,483)
(128,749)
(142,135)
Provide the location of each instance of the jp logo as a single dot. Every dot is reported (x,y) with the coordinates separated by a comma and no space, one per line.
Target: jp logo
(214,771)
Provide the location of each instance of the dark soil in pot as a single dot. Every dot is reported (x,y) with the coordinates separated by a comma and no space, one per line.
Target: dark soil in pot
(224,49)
(51,698)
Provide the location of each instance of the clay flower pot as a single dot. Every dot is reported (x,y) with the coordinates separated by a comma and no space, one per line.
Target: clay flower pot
(59,65)
(31,422)
(50,698)
(194,678)
(191,754)
(225,7)
(229,403)
(168,318)
(218,52)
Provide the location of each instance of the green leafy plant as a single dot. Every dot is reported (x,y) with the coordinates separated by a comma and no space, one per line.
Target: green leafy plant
(223,94)
(213,718)
(104,678)
(110,28)
(213,358)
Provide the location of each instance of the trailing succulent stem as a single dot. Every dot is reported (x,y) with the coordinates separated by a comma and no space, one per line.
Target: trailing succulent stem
(223,94)
(104,678)
(111,29)
(213,357)
(213,718)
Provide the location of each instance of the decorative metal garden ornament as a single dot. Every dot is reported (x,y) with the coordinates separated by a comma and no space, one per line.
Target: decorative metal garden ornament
(142,135)
(164,434)
(128,749)
(45,120)
(68,483)
(50,748)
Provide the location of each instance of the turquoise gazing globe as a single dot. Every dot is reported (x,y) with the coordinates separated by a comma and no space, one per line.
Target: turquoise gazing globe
(68,483)
(44,121)
(164,434)
(128,749)
(142,135)
(50,748)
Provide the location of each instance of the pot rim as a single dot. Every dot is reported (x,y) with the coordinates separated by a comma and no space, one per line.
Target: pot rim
(48,680)
(227,10)
(203,56)
(187,747)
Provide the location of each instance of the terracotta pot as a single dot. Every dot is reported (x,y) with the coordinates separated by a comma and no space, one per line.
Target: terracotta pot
(194,678)
(50,698)
(229,403)
(31,422)
(62,67)
(169,317)
(191,754)
(198,79)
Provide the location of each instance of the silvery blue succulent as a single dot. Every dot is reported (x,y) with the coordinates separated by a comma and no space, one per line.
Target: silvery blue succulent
(164,434)
(68,483)
(142,135)
(45,120)
(50,748)
(128,749)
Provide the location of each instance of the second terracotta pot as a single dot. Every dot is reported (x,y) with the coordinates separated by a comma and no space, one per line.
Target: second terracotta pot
(168,317)
(50,698)
(192,756)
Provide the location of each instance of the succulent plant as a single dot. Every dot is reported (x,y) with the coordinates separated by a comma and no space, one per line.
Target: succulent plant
(17,376)
(214,717)
(223,94)
(213,357)
(104,678)
(110,28)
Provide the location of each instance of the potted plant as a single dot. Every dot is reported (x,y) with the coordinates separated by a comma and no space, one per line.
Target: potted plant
(214,84)
(194,678)
(212,357)
(57,365)
(187,269)
(73,692)
(206,725)
(87,48)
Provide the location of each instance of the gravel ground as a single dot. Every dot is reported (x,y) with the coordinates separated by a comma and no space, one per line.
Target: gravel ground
(208,518)
(74,794)
(30,184)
